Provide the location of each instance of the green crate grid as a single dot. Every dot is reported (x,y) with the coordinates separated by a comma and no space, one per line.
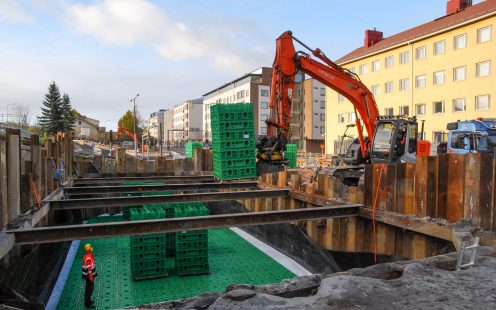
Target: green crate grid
(240,134)
(231,260)
(235,163)
(190,148)
(234,154)
(235,173)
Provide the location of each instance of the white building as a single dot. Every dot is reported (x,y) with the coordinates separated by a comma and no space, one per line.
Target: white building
(155,123)
(252,87)
(188,117)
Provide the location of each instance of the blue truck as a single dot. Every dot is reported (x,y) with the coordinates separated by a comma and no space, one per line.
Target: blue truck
(471,136)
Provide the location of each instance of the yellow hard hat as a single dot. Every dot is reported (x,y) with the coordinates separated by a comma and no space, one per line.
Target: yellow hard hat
(88,247)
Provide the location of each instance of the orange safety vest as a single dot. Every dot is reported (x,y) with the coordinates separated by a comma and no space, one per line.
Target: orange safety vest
(89,267)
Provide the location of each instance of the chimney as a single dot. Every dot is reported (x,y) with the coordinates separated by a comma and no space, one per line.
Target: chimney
(454,6)
(372,37)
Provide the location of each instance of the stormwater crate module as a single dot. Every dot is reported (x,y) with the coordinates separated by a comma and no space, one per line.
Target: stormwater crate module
(190,148)
(233,141)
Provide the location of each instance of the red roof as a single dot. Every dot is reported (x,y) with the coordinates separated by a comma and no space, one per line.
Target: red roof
(436,25)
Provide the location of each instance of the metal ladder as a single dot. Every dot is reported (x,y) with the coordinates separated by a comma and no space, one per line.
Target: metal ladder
(463,247)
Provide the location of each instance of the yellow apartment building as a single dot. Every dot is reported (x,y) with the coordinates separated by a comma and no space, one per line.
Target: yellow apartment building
(440,72)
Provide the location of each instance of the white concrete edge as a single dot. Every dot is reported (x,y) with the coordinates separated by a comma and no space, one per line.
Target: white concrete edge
(282,259)
(63,275)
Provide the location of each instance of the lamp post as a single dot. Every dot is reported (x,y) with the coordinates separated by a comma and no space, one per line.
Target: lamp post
(134,125)
(8,105)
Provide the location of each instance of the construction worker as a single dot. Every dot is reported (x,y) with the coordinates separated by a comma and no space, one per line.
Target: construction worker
(89,274)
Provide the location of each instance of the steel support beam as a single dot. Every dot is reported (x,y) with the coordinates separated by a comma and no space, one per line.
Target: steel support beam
(165,179)
(91,190)
(88,203)
(105,230)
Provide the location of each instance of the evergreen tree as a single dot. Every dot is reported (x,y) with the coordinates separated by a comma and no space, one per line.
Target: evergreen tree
(69,117)
(52,114)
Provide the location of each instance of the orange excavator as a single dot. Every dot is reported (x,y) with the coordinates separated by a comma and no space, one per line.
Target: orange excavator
(389,139)
(122,130)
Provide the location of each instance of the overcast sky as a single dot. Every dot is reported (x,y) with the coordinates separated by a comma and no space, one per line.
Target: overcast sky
(104,52)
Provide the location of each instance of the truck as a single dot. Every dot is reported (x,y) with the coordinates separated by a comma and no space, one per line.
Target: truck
(471,136)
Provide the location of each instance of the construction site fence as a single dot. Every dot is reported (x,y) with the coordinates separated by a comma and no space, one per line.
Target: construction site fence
(311,160)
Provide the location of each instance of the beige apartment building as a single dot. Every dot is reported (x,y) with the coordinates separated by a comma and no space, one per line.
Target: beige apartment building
(187,119)
(440,72)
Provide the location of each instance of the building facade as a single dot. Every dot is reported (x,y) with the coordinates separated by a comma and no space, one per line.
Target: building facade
(188,120)
(86,128)
(440,72)
(168,117)
(313,115)
(154,124)
(252,87)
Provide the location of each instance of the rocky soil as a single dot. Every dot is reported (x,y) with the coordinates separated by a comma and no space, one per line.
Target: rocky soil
(420,284)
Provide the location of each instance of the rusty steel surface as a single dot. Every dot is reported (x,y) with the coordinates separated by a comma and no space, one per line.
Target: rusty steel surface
(85,231)
(89,190)
(168,179)
(88,203)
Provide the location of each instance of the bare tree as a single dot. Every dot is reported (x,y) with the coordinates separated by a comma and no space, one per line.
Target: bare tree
(21,115)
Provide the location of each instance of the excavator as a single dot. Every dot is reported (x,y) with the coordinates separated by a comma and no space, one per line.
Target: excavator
(390,139)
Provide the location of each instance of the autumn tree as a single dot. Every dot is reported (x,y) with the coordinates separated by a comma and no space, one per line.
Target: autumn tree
(128,120)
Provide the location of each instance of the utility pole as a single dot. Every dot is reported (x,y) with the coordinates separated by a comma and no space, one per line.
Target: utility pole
(134,121)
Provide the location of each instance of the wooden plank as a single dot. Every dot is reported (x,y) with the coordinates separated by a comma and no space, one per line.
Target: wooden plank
(426,176)
(419,247)
(389,190)
(4,204)
(455,189)
(13,138)
(343,233)
(369,185)
(486,187)
(333,234)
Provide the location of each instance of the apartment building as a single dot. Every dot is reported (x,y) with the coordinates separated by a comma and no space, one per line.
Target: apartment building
(187,119)
(253,87)
(313,115)
(155,123)
(440,71)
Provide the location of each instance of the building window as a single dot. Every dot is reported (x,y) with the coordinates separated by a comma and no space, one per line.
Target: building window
(484,34)
(459,105)
(376,89)
(404,110)
(404,84)
(322,129)
(438,78)
(388,87)
(482,102)
(420,109)
(438,107)
(404,58)
(263,130)
(248,93)
(460,41)
(264,105)
(322,91)
(439,47)
(460,73)
(340,98)
(420,81)
(263,117)
(341,118)
(439,136)
(389,62)
(420,53)
(322,104)
(352,69)
(322,117)
(362,69)
(264,92)
(351,117)
(376,65)
(389,111)
(483,68)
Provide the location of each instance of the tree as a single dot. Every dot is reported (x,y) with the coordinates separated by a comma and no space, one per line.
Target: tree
(127,121)
(52,114)
(21,113)
(69,116)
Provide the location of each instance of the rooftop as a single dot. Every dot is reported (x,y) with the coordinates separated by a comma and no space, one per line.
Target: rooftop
(445,23)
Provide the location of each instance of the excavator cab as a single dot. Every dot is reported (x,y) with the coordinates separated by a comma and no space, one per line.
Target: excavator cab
(395,140)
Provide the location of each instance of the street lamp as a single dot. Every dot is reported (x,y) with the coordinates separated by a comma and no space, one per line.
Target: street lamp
(8,105)
(134,121)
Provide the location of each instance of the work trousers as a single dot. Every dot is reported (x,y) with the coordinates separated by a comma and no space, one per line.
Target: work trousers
(88,291)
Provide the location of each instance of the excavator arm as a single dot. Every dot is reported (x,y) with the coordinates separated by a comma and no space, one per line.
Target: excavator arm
(288,62)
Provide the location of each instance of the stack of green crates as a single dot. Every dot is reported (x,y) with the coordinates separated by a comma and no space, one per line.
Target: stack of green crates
(233,141)
(290,154)
(192,246)
(190,148)
(148,252)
